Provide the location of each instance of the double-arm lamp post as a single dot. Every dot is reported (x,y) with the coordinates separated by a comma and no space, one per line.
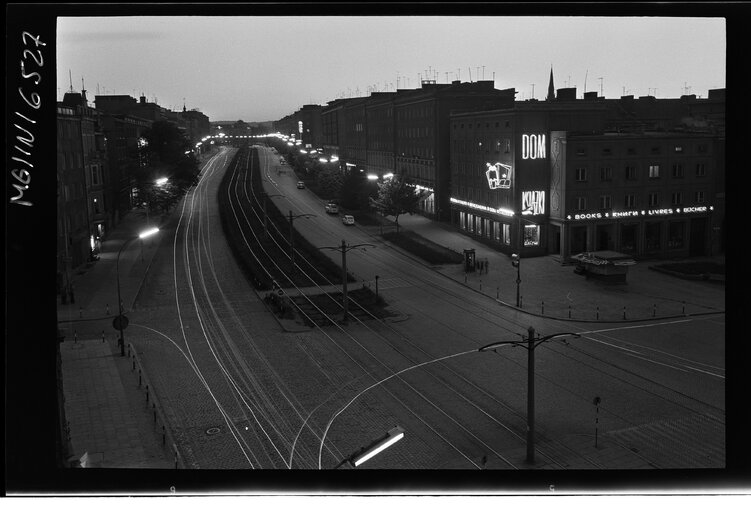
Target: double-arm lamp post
(292,217)
(120,320)
(265,214)
(344,248)
(529,343)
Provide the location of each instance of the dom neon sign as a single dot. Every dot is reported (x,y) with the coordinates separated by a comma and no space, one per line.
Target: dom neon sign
(533,147)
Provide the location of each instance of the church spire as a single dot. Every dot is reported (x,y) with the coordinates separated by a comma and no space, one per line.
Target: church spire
(551,88)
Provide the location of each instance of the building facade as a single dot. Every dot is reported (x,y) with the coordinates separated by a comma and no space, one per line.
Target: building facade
(563,177)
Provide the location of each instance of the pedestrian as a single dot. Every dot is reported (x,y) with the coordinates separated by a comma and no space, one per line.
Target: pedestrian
(487,265)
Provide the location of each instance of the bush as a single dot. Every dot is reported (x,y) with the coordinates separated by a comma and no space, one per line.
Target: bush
(423,248)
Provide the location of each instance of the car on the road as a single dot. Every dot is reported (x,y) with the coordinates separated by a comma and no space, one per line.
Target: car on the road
(300,185)
(332,208)
(348,220)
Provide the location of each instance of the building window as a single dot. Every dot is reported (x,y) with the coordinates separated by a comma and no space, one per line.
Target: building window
(507,146)
(652,236)
(606,173)
(631,151)
(679,149)
(581,174)
(630,201)
(607,151)
(675,235)
(507,234)
(498,146)
(497,227)
(630,173)
(654,171)
(677,170)
(702,148)
(581,151)
(655,150)
(605,202)
(581,203)
(677,198)
(94,175)
(96,206)
(699,197)
(470,223)
(531,235)
(654,199)
(701,170)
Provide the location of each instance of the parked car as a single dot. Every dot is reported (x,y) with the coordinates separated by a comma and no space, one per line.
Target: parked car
(332,208)
(348,220)
(300,185)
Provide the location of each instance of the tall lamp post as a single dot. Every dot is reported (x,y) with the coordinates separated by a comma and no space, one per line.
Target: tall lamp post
(344,248)
(120,319)
(530,343)
(265,214)
(292,217)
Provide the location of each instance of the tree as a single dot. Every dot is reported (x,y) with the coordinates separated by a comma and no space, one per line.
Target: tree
(329,181)
(396,196)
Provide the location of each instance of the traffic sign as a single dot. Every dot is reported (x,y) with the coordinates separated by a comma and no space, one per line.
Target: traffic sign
(120,322)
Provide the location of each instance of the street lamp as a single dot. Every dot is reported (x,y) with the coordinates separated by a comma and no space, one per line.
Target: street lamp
(516,264)
(344,248)
(359,457)
(291,229)
(265,215)
(529,343)
(121,321)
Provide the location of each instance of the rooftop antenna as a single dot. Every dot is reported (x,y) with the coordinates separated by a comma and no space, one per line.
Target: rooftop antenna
(585,80)
(70,77)
(601,78)
(483,72)
(459,74)
(97,88)
(533,91)
(447,77)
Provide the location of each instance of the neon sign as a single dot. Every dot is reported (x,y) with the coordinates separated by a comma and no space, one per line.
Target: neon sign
(637,213)
(533,147)
(533,203)
(299,126)
(496,179)
(500,210)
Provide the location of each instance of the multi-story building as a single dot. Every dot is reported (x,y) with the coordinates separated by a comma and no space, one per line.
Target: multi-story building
(422,150)
(564,176)
(197,124)
(381,137)
(73,226)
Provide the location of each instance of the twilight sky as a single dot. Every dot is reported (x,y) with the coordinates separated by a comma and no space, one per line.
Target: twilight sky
(263,68)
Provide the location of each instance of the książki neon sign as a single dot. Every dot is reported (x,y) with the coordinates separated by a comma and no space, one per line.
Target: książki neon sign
(498,175)
(533,203)
(639,213)
(485,208)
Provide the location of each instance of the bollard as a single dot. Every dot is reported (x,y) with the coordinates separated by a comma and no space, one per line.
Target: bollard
(164,435)
(654,309)
(102,336)
(497,292)
(598,313)
(133,364)
(569,311)
(108,309)
(480,284)
(75,337)
(154,416)
(80,312)
(542,307)
(684,308)
(624,312)
(139,377)
(175,459)
(521,302)
(147,393)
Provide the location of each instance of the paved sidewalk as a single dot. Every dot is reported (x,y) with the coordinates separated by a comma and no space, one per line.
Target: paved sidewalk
(108,419)
(551,289)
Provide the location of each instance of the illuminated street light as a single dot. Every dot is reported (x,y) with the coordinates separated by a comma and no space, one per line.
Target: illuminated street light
(372,177)
(121,322)
(358,458)
(162,181)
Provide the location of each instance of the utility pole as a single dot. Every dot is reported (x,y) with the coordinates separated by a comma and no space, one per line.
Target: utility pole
(529,343)
(291,229)
(344,248)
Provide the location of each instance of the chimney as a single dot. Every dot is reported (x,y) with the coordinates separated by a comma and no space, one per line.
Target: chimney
(566,94)
(142,100)
(590,95)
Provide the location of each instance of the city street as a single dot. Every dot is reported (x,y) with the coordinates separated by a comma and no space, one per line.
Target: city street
(240,391)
